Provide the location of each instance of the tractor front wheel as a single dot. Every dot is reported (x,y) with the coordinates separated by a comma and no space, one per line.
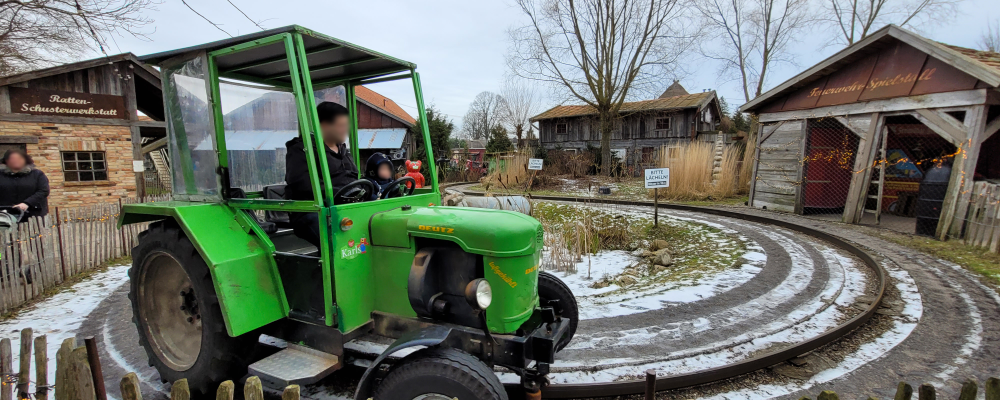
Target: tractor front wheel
(177,313)
(440,374)
(552,292)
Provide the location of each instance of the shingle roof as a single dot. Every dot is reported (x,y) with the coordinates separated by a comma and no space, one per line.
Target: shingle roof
(674,90)
(384,104)
(989,58)
(696,100)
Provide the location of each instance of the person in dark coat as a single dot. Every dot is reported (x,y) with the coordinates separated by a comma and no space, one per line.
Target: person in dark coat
(378,170)
(333,121)
(22,185)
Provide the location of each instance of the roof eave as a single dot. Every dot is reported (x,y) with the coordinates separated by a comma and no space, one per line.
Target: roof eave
(386,112)
(958,60)
(58,69)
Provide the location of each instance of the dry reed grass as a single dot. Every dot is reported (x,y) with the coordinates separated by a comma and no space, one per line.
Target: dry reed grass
(691,172)
(512,175)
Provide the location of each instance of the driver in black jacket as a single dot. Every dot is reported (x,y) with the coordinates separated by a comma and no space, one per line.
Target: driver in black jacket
(333,122)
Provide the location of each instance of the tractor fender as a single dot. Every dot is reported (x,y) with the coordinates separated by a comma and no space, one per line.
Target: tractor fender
(428,337)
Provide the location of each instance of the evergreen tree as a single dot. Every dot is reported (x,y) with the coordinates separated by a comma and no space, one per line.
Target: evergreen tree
(440,129)
(499,141)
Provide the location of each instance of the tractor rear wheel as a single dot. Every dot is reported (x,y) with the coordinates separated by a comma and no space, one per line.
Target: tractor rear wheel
(440,374)
(177,313)
(552,292)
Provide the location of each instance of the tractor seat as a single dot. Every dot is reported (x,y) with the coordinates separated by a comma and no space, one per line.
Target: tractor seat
(267,226)
(278,218)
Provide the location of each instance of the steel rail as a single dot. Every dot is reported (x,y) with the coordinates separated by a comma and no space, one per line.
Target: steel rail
(638,386)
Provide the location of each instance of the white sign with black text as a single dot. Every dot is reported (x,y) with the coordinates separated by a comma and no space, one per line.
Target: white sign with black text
(657,178)
(535,164)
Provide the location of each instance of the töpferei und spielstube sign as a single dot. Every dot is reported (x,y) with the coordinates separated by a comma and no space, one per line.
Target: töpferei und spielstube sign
(66,104)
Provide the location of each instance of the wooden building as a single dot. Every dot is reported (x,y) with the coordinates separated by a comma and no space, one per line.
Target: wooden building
(855,136)
(643,126)
(80,123)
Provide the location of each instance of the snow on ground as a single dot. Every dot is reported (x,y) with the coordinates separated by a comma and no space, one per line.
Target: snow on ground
(693,277)
(903,325)
(59,316)
(613,301)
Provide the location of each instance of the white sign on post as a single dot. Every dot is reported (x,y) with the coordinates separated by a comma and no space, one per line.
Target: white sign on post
(535,164)
(657,178)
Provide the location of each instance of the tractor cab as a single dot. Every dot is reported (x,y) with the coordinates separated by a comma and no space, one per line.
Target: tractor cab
(220,263)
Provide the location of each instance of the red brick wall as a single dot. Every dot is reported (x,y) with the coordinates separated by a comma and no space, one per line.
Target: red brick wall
(53,138)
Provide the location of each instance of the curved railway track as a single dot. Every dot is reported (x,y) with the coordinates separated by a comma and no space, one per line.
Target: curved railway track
(758,362)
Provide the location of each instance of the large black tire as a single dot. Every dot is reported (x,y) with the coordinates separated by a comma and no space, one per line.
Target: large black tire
(440,373)
(198,348)
(553,292)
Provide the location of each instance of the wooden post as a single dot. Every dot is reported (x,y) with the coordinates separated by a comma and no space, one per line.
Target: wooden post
(291,393)
(80,376)
(95,368)
(650,382)
(180,390)
(226,391)
(992,388)
(121,231)
(969,389)
(926,392)
(252,390)
(130,387)
(24,374)
(6,370)
(956,201)
(41,368)
(656,207)
(903,391)
(828,395)
(64,390)
(857,192)
(62,247)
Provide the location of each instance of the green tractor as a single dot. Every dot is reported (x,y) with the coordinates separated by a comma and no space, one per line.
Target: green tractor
(459,288)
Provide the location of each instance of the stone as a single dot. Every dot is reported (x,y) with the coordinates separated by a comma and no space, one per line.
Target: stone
(663,258)
(627,280)
(659,244)
(659,268)
(803,367)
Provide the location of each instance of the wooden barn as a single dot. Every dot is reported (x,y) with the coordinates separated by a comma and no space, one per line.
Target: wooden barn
(81,124)
(893,130)
(643,127)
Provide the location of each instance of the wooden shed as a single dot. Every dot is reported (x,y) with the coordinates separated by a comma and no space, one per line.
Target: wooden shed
(80,122)
(856,137)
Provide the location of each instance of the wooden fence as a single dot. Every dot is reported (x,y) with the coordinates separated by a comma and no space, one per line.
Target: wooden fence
(45,251)
(982,225)
(79,376)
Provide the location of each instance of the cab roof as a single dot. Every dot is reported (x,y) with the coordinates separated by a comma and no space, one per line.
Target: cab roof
(329,59)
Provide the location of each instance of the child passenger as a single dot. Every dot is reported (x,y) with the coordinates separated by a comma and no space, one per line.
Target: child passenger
(378,170)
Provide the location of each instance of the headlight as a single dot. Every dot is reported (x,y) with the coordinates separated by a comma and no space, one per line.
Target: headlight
(479,294)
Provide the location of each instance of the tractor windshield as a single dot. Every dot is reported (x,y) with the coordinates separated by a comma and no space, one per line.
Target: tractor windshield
(191,129)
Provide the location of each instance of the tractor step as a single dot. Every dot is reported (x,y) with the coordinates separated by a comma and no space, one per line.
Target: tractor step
(295,365)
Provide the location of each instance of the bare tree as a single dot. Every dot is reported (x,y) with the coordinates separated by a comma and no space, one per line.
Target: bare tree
(751,36)
(485,112)
(991,38)
(854,20)
(600,52)
(39,33)
(520,102)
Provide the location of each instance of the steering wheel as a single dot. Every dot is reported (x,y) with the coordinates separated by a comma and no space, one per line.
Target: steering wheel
(394,186)
(354,192)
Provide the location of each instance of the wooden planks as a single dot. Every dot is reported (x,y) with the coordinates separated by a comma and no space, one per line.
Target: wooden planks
(982,225)
(779,165)
(44,251)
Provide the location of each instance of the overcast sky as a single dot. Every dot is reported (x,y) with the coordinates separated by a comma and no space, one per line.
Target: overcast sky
(458,45)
